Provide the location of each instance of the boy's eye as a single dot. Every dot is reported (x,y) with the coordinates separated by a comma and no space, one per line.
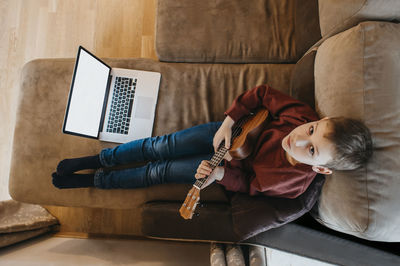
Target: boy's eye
(312,150)
(311,130)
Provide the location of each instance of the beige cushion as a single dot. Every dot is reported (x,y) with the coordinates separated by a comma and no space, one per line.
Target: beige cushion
(302,82)
(236,31)
(20,221)
(190,94)
(338,15)
(357,75)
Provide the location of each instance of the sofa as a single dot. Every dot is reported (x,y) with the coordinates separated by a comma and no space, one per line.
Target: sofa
(341,57)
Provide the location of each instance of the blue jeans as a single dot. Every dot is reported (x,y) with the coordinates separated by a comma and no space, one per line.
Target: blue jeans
(174,158)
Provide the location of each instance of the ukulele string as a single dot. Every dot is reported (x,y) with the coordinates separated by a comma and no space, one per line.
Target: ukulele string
(218,157)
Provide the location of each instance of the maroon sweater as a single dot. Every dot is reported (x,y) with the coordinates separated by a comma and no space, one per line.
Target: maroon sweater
(267,171)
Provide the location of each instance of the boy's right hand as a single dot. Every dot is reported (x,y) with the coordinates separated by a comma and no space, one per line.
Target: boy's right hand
(204,170)
(224,133)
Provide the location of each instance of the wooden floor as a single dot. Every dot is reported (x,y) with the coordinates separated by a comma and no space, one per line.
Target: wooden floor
(31,29)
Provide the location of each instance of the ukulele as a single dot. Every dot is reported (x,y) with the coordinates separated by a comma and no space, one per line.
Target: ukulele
(244,133)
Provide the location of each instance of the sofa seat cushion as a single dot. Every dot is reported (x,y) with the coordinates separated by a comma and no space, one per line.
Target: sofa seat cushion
(233,31)
(357,75)
(189,94)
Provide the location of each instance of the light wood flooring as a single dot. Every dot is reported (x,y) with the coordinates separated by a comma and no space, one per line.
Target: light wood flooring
(31,29)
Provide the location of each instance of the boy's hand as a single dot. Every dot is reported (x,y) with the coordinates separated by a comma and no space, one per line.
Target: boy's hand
(204,170)
(224,133)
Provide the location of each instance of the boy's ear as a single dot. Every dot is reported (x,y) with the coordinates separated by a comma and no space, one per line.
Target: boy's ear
(322,170)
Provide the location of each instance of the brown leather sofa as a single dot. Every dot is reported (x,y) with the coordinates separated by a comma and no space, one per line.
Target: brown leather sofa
(211,51)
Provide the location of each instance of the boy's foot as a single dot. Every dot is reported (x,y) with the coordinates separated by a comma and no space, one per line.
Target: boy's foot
(69,166)
(73,180)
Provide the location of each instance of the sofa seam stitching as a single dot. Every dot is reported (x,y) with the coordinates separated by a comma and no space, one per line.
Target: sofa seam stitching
(366,179)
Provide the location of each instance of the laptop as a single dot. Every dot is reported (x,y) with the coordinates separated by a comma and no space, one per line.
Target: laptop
(110,104)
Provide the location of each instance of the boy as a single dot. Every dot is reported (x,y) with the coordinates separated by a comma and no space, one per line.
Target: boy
(293,147)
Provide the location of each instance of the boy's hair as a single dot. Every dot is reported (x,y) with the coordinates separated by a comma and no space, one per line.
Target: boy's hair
(352,141)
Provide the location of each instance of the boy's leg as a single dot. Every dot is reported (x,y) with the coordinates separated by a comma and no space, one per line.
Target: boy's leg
(191,141)
(188,142)
(159,172)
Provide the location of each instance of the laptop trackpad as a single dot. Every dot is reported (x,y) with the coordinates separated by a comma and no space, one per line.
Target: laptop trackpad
(144,107)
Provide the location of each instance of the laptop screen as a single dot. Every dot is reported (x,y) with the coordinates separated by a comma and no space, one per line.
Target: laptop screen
(87,95)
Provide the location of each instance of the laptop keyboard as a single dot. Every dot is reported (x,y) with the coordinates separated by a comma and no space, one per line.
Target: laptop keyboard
(121,105)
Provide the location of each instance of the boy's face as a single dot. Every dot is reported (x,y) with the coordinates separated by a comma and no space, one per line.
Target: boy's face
(307,144)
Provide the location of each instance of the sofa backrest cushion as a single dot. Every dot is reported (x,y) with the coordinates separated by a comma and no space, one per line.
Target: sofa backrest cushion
(338,15)
(235,31)
(302,80)
(357,75)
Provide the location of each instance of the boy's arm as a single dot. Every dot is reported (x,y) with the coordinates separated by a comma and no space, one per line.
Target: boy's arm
(276,102)
(281,182)
(234,179)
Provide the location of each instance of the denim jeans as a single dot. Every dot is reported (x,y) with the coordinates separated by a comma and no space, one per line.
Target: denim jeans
(174,158)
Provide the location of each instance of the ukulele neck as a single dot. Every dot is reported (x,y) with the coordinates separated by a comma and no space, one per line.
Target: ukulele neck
(222,150)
